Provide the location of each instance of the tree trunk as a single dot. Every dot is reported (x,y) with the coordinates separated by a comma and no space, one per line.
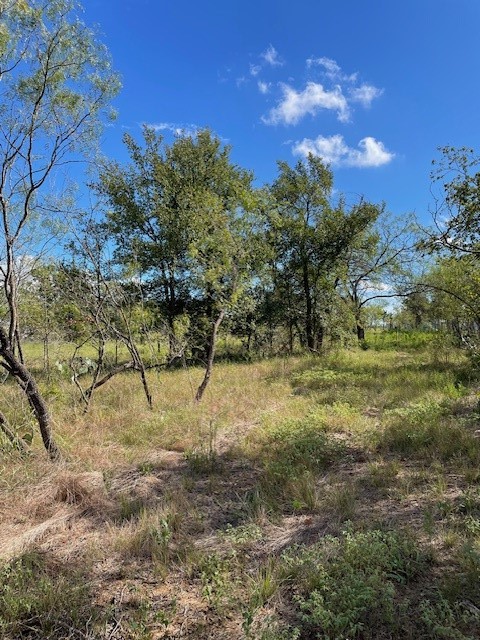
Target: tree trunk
(309,332)
(35,399)
(360,331)
(211,356)
(320,337)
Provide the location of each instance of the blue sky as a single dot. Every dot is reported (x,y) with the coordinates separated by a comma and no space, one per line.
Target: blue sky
(373,86)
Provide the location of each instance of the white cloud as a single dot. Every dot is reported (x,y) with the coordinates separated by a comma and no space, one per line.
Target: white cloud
(334,151)
(330,65)
(186,130)
(271,57)
(332,70)
(255,69)
(263,87)
(337,92)
(294,105)
(369,286)
(365,94)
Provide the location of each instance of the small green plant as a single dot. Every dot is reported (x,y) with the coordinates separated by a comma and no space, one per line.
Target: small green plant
(381,475)
(130,508)
(202,462)
(243,534)
(341,500)
(465,583)
(145,468)
(292,454)
(216,578)
(300,445)
(150,536)
(302,492)
(424,430)
(441,619)
(265,582)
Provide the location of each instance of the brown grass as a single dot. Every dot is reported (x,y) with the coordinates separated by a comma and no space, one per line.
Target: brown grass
(169,506)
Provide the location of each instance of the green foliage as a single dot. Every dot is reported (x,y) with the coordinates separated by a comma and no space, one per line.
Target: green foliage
(404,340)
(458,177)
(217,579)
(37,601)
(441,619)
(180,213)
(310,235)
(292,454)
(294,447)
(243,534)
(346,587)
(201,462)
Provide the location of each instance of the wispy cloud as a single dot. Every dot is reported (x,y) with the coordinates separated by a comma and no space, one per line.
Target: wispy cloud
(255,69)
(365,94)
(177,129)
(337,91)
(334,151)
(271,57)
(294,105)
(332,70)
(263,87)
(241,81)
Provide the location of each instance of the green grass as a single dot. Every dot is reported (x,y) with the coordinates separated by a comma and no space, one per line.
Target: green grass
(38,601)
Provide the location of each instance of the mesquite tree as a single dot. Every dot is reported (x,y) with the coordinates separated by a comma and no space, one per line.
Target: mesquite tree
(56,82)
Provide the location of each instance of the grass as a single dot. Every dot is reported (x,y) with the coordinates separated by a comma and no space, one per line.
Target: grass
(327,497)
(38,601)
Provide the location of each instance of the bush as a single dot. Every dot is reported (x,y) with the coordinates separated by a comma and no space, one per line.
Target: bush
(296,446)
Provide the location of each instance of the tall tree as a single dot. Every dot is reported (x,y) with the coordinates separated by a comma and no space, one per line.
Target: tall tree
(56,82)
(180,213)
(455,240)
(457,202)
(311,234)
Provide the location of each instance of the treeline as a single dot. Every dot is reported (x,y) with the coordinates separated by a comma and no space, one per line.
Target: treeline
(182,239)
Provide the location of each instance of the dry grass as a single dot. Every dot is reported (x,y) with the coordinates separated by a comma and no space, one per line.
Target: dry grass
(183,513)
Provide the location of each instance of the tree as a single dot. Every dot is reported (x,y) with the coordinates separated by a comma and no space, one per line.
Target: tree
(180,213)
(457,205)
(150,223)
(107,301)
(56,82)
(452,285)
(377,264)
(311,234)
(456,242)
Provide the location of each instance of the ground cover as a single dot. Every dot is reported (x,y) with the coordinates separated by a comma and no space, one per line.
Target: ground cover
(331,497)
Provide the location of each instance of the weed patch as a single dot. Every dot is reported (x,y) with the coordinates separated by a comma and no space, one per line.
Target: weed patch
(425,430)
(40,602)
(292,454)
(346,587)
